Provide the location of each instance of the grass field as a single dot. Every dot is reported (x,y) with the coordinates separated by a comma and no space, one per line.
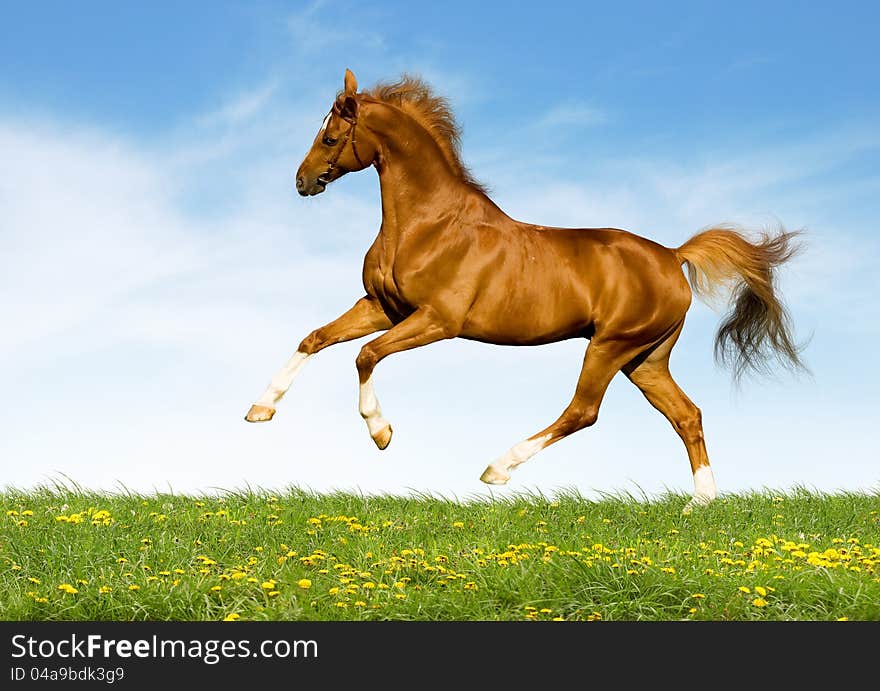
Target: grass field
(73,555)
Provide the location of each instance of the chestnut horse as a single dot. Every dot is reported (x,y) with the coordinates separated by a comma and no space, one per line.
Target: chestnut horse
(448,263)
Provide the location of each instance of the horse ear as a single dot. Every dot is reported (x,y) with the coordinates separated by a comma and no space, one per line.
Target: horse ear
(351,83)
(348,107)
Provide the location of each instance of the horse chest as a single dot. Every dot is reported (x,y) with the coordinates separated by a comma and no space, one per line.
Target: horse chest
(380,283)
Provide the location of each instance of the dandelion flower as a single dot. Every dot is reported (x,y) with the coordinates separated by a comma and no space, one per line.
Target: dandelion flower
(232,616)
(759,602)
(743,589)
(304,583)
(67,588)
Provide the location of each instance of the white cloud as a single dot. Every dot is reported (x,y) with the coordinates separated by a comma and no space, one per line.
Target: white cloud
(243,106)
(570,115)
(323,25)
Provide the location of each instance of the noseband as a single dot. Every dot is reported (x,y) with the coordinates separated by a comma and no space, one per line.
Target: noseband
(349,134)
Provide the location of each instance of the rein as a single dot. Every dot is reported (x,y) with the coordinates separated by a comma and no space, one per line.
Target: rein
(349,133)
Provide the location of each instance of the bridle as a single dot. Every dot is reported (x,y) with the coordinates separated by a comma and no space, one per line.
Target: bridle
(349,134)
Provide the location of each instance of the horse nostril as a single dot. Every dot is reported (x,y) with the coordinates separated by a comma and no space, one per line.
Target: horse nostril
(300,184)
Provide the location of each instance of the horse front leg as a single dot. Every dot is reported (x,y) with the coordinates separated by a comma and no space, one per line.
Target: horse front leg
(422,327)
(364,318)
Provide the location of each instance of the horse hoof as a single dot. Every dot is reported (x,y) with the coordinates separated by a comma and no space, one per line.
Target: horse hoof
(493,476)
(259,413)
(695,503)
(383,437)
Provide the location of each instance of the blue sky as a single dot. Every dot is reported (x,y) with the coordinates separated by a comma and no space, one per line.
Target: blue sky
(156,266)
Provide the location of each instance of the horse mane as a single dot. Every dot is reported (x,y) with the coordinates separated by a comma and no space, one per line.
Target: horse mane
(415,97)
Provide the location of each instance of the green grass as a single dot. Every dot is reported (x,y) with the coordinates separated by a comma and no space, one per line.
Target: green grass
(300,555)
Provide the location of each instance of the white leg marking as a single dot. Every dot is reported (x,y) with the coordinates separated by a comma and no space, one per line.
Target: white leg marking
(282,380)
(704,488)
(497,472)
(368,404)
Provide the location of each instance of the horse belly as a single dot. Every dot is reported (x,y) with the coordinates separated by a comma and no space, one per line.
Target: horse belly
(529,315)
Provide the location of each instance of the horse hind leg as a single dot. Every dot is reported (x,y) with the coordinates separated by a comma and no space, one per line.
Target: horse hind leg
(651,375)
(601,362)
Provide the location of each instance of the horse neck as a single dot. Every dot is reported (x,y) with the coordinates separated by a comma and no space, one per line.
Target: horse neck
(415,178)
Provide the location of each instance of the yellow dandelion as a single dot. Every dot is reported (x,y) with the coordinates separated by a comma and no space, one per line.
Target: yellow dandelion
(744,589)
(759,602)
(34,580)
(698,596)
(232,616)
(304,583)
(843,619)
(458,524)
(360,603)
(761,591)
(104,589)
(134,586)
(268,585)
(67,588)
(216,588)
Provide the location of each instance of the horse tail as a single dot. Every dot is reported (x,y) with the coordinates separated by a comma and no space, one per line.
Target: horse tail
(758,329)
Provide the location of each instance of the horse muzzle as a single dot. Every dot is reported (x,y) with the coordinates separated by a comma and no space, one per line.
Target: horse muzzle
(308,188)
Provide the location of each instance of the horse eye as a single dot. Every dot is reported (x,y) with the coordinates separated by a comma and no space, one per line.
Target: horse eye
(330,141)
